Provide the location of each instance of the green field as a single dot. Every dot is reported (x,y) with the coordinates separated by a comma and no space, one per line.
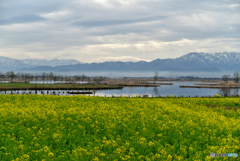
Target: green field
(37,127)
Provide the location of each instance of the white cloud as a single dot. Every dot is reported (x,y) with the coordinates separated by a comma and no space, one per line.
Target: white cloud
(200,21)
(234,6)
(56,15)
(121,58)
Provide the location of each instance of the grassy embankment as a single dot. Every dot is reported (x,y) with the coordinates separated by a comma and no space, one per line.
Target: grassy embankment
(34,127)
(214,85)
(24,86)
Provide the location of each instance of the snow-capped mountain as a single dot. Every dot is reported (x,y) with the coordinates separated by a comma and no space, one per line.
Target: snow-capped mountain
(202,61)
(51,63)
(13,64)
(216,58)
(10,64)
(225,61)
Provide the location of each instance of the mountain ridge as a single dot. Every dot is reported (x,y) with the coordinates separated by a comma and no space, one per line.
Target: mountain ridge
(13,64)
(224,61)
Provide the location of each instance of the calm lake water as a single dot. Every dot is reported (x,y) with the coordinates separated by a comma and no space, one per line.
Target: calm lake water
(162,90)
(166,90)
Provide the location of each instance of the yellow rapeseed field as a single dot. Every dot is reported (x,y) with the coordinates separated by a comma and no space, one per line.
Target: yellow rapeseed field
(38,127)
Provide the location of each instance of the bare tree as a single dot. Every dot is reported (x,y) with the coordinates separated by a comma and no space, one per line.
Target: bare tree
(22,76)
(226,78)
(43,76)
(155,77)
(31,77)
(11,75)
(77,78)
(18,76)
(62,78)
(27,77)
(36,78)
(104,79)
(59,78)
(83,77)
(55,78)
(71,79)
(7,75)
(51,76)
(224,92)
(88,79)
(47,77)
(98,79)
(67,79)
(1,76)
(236,77)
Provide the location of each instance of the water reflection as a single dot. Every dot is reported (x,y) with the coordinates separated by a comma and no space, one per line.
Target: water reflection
(235,92)
(163,90)
(225,92)
(155,90)
(51,82)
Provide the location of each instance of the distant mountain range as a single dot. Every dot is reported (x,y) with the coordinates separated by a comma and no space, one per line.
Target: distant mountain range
(14,64)
(225,61)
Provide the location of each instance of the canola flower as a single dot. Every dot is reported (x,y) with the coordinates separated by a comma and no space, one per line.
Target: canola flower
(34,127)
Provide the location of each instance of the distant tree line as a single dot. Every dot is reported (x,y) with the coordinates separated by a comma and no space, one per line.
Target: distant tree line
(45,77)
(235,78)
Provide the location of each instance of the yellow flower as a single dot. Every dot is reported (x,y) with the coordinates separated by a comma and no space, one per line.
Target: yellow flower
(96,159)
(157,155)
(25,156)
(151,144)
(50,154)
(159,135)
(102,154)
(21,146)
(208,158)
(169,157)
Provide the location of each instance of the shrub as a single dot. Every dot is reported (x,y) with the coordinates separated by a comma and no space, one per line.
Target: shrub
(217,96)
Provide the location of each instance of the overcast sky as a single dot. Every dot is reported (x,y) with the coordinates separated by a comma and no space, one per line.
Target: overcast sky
(112,30)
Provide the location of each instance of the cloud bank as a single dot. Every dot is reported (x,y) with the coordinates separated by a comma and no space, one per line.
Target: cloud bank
(117,30)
